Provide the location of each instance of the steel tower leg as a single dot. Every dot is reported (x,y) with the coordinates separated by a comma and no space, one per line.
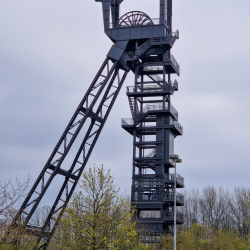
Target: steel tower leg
(91,114)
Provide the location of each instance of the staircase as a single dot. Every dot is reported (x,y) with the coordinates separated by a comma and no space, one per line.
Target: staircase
(133,106)
(151,154)
(141,50)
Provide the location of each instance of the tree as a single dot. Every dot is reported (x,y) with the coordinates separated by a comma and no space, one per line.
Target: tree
(190,209)
(10,196)
(213,206)
(98,217)
(217,209)
(228,240)
(240,210)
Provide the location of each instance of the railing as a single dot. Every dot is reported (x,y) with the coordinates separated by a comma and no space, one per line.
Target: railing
(153,41)
(152,195)
(160,40)
(175,84)
(170,39)
(169,215)
(153,107)
(131,122)
(144,88)
(133,106)
(150,88)
(173,111)
(178,126)
(127,122)
(142,48)
(175,63)
(174,36)
(170,177)
(148,182)
(145,176)
(153,87)
(153,68)
(151,179)
(170,196)
(155,78)
(149,196)
(172,60)
(169,107)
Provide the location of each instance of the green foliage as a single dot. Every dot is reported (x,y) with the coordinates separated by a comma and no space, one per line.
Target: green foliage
(98,217)
(22,243)
(199,238)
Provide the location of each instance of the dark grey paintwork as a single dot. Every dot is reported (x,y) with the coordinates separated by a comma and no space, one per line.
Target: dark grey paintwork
(143,46)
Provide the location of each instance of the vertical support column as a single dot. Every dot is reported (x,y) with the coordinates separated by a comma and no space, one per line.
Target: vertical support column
(169,14)
(106,14)
(166,13)
(115,12)
(163,11)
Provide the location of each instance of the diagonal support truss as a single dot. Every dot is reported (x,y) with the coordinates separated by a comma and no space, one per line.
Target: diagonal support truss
(90,116)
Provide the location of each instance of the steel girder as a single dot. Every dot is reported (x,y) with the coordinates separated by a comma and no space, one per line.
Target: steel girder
(91,114)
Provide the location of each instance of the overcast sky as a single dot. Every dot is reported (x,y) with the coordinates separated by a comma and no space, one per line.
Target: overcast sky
(50,50)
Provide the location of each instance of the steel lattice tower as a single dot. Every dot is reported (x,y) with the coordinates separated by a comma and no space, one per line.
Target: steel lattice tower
(142,45)
(154,126)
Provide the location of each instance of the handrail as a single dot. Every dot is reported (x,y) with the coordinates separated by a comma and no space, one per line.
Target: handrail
(166,176)
(170,215)
(146,88)
(145,46)
(175,84)
(143,176)
(179,178)
(174,112)
(142,48)
(171,58)
(133,106)
(176,64)
(151,107)
(170,107)
(127,121)
(170,196)
(178,126)
(155,78)
(153,87)
(175,34)
(131,122)
(153,68)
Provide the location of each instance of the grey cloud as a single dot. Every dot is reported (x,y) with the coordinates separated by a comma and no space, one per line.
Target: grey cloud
(51,50)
